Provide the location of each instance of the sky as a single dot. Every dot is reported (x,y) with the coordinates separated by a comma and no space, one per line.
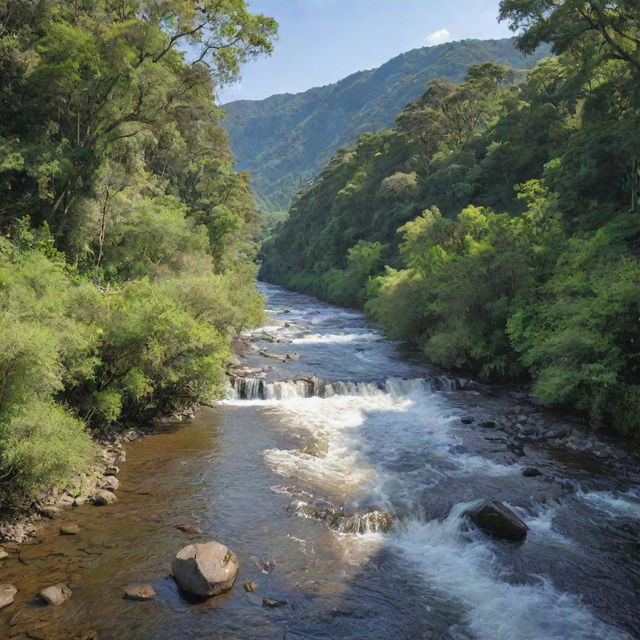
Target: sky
(323,41)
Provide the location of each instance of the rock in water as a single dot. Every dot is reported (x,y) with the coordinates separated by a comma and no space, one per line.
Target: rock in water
(496,519)
(249,586)
(56,594)
(530,472)
(104,497)
(271,602)
(189,528)
(139,592)
(69,530)
(206,569)
(110,483)
(7,594)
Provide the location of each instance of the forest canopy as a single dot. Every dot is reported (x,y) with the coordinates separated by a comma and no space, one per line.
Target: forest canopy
(126,236)
(497,224)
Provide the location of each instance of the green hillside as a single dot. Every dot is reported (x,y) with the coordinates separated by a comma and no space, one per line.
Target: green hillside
(496,226)
(286,139)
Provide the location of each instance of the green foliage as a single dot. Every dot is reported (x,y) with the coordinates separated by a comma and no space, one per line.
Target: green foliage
(285,140)
(127,238)
(549,291)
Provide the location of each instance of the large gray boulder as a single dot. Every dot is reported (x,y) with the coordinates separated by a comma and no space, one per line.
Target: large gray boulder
(496,519)
(205,569)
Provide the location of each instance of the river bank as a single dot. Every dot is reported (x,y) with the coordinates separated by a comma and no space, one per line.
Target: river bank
(290,472)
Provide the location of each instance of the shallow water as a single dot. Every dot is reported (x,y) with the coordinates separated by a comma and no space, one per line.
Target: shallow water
(240,473)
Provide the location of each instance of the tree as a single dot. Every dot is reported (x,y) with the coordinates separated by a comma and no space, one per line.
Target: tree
(613,26)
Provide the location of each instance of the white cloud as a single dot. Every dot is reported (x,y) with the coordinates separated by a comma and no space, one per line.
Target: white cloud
(438,37)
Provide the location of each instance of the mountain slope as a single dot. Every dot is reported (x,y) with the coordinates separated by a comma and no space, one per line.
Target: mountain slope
(286,139)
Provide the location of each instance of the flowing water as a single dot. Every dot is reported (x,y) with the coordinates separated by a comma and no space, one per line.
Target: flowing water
(344,494)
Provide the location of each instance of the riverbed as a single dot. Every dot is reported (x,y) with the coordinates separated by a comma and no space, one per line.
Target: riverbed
(282,470)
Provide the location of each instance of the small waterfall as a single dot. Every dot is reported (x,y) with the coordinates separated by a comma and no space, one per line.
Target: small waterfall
(311,387)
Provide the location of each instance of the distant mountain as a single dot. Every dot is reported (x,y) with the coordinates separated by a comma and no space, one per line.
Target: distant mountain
(286,139)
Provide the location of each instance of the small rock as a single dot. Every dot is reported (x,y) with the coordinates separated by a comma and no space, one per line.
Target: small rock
(496,519)
(467,419)
(488,424)
(110,483)
(56,594)
(7,594)
(189,528)
(78,501)
(139,592)
(271,602)
(205,569)
(530,472)
(50,511)
(112,471)
(3,554)
(104,497)
(249,586)
(69,530)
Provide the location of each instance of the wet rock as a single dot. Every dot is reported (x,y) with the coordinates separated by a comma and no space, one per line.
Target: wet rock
(530,472)
(249,586)
(69,530)
(104,497)
(112,471)
(139,592)
(488,424)
(110,483)
(189,528)
(496,519)
(335,518)
(7,594)
(206,569)
(272,603)
(467,419)
(316,448)
(527,430)
(56,594)
(50,511)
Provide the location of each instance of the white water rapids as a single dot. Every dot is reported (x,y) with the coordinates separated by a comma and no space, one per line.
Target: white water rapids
(395,443)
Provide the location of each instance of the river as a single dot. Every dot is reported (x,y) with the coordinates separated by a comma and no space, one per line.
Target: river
(284,472)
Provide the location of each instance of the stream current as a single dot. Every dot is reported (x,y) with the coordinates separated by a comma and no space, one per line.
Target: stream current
(293,473)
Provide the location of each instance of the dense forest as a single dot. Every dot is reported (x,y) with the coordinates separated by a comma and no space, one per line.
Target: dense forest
(126,237)
(497,223)
(286,140)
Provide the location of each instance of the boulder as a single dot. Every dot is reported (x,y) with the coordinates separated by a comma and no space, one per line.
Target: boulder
(7,594)
(56,594)
(497,520)
(139,592)
(69,530)
(110,483)
(112,471)
(104,497)
(205,569)
(467,419)
(530,472)
(50,511)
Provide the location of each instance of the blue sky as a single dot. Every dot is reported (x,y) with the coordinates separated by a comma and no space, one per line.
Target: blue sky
(322,41)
